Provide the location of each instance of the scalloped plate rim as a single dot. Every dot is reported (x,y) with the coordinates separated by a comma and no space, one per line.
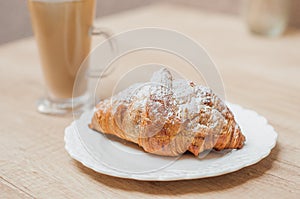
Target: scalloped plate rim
(192,175)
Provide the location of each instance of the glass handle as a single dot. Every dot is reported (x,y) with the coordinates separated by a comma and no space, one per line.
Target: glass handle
(96,31)
(100,31)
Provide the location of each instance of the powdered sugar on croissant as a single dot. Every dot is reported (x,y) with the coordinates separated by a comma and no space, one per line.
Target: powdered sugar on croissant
(169,117)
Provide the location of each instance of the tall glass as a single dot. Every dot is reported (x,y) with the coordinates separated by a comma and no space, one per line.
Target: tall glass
(267,17)
(63,30)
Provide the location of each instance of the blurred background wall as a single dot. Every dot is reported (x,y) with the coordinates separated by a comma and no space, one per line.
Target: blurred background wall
(15,20)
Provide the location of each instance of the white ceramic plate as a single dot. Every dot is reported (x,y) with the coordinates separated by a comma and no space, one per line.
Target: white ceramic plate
(113,157)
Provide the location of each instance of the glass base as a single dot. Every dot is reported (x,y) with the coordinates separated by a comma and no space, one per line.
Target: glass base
(275,32)
(63,107)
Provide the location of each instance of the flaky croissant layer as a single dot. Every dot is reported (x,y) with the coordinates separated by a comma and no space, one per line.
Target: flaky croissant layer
(169,117)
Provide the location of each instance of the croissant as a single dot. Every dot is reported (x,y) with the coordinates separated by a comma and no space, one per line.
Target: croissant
(169,117)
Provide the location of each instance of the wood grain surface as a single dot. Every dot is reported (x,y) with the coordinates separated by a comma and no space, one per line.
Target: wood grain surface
(258,73)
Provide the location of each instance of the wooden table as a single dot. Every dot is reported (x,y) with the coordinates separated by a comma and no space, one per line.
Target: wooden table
(258,73)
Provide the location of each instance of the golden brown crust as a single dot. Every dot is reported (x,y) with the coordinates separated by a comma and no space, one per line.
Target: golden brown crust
(168,121)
